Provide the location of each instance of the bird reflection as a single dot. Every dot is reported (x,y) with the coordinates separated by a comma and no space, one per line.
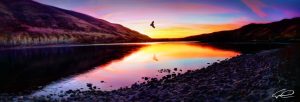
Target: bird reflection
(155,58)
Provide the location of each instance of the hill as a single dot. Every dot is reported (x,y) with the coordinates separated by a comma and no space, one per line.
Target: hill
(284,30)
(26,22)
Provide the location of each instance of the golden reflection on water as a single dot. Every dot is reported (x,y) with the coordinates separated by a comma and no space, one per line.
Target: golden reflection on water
(131,68)
(176,51)
(146,62)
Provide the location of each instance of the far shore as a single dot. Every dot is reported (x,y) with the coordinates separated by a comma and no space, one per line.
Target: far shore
(133,43)
(92,44)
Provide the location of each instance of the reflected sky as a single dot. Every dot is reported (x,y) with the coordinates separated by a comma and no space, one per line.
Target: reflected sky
(144,62)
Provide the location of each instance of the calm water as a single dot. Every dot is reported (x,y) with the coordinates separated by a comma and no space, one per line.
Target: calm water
(56,69)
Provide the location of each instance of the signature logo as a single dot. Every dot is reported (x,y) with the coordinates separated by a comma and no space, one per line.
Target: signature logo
(284,93)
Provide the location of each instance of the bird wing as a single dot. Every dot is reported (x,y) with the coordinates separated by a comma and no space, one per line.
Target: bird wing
(152,24)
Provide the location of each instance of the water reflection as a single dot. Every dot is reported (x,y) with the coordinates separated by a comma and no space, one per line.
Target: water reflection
(30,69)
(144,62)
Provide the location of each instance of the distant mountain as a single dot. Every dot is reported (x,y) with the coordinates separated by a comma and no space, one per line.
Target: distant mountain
(284,30)
(26,22)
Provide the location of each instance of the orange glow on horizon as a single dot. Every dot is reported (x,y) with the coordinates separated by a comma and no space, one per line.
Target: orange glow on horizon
(181,31)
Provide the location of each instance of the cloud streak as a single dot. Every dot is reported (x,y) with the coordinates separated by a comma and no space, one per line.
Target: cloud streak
(200,8)
(256,6)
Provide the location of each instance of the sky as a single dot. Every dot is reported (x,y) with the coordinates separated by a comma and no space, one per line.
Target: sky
(182,18)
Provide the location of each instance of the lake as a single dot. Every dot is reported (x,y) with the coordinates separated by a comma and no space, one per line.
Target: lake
(55,69)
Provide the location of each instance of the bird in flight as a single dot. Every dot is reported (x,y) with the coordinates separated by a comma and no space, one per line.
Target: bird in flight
(152,24)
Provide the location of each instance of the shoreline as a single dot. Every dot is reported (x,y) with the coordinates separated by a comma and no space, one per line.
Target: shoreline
(247,77)
(130,43)
(93,44)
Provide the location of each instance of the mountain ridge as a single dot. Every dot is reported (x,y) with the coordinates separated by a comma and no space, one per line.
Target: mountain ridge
(26,22)
(284,30)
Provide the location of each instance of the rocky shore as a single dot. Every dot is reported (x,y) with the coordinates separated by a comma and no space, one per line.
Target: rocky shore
(248,77)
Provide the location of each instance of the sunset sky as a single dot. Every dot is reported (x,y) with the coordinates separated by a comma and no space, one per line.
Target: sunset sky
(181,18)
